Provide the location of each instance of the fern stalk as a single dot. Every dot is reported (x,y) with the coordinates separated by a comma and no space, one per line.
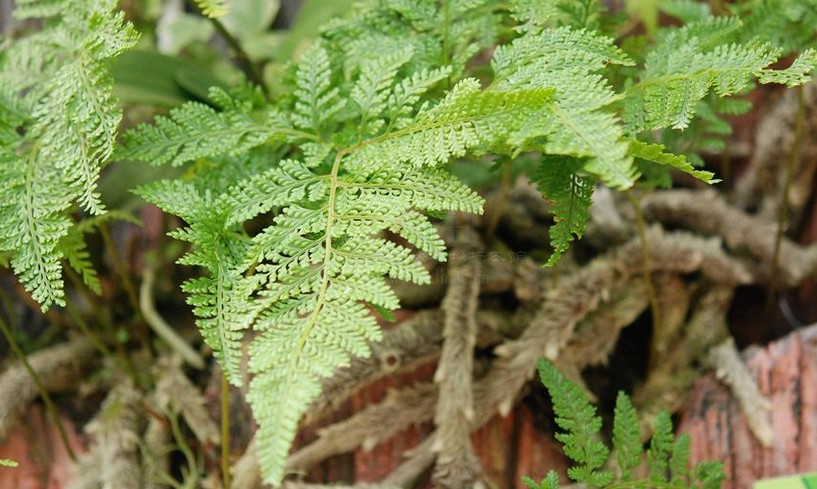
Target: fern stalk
(646,271)
(783,208)
(225,431)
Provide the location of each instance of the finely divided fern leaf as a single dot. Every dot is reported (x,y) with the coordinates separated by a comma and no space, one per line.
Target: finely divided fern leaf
(700,58)
(221,299)
(52,159)
(578,418)
(667,458)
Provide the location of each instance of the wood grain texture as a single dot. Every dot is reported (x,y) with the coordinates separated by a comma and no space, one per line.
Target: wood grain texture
(786,372)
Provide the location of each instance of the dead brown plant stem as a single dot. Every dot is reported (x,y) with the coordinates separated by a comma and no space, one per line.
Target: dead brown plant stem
(121,270)
(783,208)
(50,408)
(646,269)
(225,431)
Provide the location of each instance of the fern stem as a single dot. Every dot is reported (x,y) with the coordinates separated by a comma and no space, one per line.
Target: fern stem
(225,430)
(646,271)
(783,207)
(50,408)
(119,266)
(501,200)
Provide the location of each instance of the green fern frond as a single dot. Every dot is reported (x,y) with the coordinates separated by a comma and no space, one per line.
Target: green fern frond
(798,73)
(220,300)
(467,118)
(5,462)
(292,181)
(578,418)
(708,475)
(679,462)
(551,481)
(568,60)
(371,91)
(697,59)
(68,121)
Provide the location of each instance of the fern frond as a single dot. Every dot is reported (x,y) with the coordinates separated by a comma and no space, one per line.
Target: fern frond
(406,94)
(798,73)
(292,181)
(33,220)
(76,251)
(220,300)
(551,481)
(679,462)
(708,475)
(700,58)
(69,121)
(578,418)
(371,91)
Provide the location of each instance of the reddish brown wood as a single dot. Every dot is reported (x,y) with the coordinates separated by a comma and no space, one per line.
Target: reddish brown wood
(36,445)
(786,372)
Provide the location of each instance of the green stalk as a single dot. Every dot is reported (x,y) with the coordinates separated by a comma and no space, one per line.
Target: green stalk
(646,271)
(783,207)
(225,430)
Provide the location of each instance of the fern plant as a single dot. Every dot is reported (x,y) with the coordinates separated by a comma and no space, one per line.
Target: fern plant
(355,142)
(667,458)
(292,199)
(58,123)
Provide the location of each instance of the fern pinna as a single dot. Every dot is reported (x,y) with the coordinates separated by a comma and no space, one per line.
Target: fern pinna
(355,144)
